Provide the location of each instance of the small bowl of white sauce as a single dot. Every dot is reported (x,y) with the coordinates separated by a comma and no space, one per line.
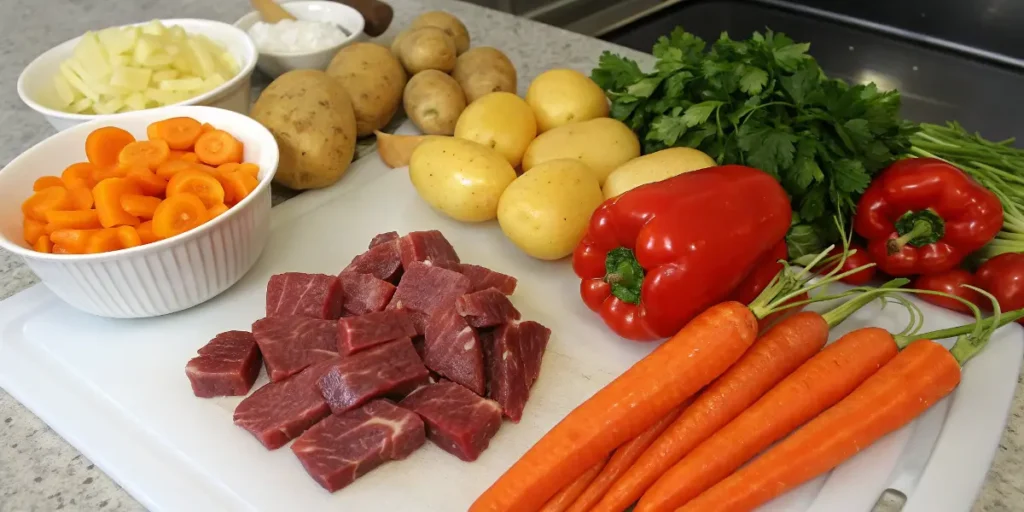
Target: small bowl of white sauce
(308,42)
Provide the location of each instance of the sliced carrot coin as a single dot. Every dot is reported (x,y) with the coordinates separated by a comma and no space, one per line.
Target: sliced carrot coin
(72,219)
(171,167)
(128,236)
(201,184)
(107,195)
(241,185)
(58,249)
(79,175)
(146,234)
(178,132)
(33,229)
(74,241)
(43,244)
(114,171)
(81,198)
(147,153)
(47,182)
(218,147)
(178,214)
(217,209)
(47,199)
(207,127)
(175,154)
(228,168)
(104,145)
(190,157)
(147,181)
(250,169)
(140,205)
(103,240)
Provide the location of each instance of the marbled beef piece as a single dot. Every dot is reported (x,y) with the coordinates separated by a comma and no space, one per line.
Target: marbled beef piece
(356,333)
(291,343)
(426,288)
(458,420)
(227,366)
(344,447)
(280,411)
(389,370)
(426,246)
(312,295)
(383,238)
(486,308)
(383,261)
(363,293)
(452,349)
(513,357)
(482,278)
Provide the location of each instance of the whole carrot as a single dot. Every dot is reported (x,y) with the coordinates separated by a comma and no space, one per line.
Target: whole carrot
(776,354)
(695,356)
(622,459)
(921,375)
(561,501)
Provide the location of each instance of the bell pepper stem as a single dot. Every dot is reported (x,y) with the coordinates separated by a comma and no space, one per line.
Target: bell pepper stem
(625,275)
(918,229)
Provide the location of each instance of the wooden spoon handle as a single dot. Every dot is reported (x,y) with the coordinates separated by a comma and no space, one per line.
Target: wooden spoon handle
(270,11)
(377,15)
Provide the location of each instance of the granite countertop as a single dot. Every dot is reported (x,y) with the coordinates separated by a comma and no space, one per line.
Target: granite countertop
(39,471)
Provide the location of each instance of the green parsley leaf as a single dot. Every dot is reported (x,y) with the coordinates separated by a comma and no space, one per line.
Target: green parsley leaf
(790,56)
(754,79)
(667,129)
(769,149)
(615,72)
(849,176)
(800,84)
(699,113)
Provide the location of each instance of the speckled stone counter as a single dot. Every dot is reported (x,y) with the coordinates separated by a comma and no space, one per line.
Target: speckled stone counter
(39,471)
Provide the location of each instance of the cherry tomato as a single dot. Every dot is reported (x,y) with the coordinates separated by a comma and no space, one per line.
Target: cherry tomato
(950,282)
(857,259)
(1003,277)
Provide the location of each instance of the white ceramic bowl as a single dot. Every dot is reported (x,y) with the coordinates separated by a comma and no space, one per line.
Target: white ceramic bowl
(276,64)
(36,81)
(162,277)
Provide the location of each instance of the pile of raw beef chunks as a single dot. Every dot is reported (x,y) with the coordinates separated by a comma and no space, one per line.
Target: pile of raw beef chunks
(406,343)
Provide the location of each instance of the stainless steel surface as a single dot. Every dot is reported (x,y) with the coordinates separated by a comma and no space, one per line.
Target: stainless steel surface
(937,84)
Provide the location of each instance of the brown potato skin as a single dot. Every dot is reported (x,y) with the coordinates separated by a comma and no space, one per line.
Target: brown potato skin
(483,70)
(312,120)
(452,26)
(374,80)
(434,101)
(427,48)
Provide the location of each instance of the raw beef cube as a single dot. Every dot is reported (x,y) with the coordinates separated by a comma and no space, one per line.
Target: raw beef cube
(458,420)
(312,295)
(420,344)
(486,308)
(391,369)
(383,261)
(482,278)
(513,362)
(356,333)
(280,411)
(453,350)
(427,288)
(426,246)
(383,238)
(291,343)
(344,447)
(364,293)
(226,366)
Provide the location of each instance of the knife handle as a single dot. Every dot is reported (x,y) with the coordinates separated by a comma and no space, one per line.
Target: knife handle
(377,15)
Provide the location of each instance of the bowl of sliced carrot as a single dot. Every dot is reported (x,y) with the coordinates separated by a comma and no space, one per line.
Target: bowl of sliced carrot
(149,214)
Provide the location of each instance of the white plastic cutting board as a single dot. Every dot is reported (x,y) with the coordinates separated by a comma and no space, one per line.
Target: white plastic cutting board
(116,389)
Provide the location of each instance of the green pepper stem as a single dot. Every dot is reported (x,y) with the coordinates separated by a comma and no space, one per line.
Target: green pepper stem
(921,228)
(916,228)
(625,275)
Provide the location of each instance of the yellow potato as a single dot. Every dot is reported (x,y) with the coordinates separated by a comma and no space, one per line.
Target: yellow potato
(603,144)
(445,21)
(396,43)
(545,212)
(484,70)
(562,96)
(500,120)
(396,150)
(657,166)
(374,80)
(462,179)
(427,48)
(434,101)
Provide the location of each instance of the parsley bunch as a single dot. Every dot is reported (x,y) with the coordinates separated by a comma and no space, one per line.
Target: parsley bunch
(765,103)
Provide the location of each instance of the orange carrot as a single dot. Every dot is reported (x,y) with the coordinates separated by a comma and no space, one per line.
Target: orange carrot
(103,145)
(622,459)
(180,133)
(43,244)
(250,169)
(202,184)
(190,157)
(218,147)
(146,153)
(622,410)
(58,249)
(217,210)
(47,199)
(767,322)
(238,185)
(79,175)
(140,205)
(33,230)
(47,182)
(107,194)
(128,236)
(773,356)
(168,169)
(922,374)
(71,219)
(207,127)
(147,181)
(816,385)
(81,198)
(101,173)
(72,241)
(103,240)
(145,232)
(567,496)
(178,214)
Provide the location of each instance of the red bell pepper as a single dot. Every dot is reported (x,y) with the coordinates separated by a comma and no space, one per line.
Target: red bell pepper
(658,255)
(923,216)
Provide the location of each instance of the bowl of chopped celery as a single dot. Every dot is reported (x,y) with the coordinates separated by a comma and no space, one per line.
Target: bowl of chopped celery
(137,67)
